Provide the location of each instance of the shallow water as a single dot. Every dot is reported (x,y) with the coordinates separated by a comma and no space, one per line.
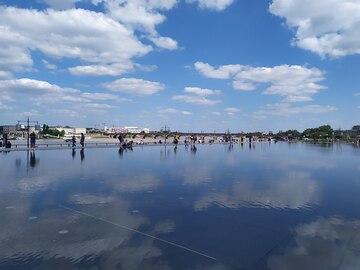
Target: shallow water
(268,206)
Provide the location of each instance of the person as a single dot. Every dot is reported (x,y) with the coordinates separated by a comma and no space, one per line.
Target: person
(73,139)
(121,139)
(8,144)
(82,139)
(32,139)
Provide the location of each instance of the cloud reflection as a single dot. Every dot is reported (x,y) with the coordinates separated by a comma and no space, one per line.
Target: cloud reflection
(327,243)
(295,190)
(73,240)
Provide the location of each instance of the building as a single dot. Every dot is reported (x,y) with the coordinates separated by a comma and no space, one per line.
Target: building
(71,130)
(133,129)
(8,129)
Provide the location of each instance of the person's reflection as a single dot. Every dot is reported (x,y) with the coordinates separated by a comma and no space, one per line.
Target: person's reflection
(121,152)
(175,149)
(18,162)
(230,147)
(32,159)
(193,149)
(73,153)
(82,154)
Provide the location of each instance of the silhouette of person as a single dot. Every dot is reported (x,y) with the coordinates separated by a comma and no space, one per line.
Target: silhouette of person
(32,159)
(82,154)
(82,140)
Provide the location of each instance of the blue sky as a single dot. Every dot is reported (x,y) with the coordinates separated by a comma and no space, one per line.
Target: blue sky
(192,65)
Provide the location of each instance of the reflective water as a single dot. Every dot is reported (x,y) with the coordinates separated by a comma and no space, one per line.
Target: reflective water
(268,206)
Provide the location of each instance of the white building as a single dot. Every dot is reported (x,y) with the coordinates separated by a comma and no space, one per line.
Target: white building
(133,129)
(72,130)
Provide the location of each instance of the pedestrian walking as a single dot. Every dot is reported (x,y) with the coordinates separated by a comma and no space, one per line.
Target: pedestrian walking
(82,140)
(32,139)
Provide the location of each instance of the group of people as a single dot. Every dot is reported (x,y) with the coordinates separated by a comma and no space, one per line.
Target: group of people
(82,140)
(6,145)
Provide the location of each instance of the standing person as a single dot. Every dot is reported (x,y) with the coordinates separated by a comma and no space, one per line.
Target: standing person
(73,139)
(82,140)
(32,139)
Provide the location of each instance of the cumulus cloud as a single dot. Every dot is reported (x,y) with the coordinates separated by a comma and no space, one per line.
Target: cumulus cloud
(217,5)
(294,83)
(165,42)
(197,95)
(142,15)
(201,91)
(231,111)
(31,87)
(42,92)
(325,27)
(285,109)
(49,65)
(75,33)
(135,86)
(223,72)
(172,110)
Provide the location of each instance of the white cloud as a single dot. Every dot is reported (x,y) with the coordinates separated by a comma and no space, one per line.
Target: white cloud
(285,109)
(30,87)
(223,72)
(195,100)
(41,93)
(357,94)
(48,65)
(5,74)
(197,95)
(231,110)
(142,15)
(325,27)
(217,5)
(216,113)
(201,91)
(168,110)
(172,110)
(186,113)
(99,106)
(103,96)
(3,106)
(135,86)
(294,83)
(75,33)
(165,42)
(101,70)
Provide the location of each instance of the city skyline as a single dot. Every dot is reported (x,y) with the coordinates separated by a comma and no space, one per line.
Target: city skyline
(192,65)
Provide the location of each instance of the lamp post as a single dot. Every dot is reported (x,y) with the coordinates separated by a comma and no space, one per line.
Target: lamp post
(27,127)
(166,129)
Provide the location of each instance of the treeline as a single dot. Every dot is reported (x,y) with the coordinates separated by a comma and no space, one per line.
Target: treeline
(320,133)
(53,132)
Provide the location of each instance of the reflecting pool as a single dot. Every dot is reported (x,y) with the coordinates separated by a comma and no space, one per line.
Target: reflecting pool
(260,206)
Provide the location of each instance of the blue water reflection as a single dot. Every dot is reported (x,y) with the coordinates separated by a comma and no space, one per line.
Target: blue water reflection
(264,206)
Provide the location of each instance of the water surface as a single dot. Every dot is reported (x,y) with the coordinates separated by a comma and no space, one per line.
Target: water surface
(260,206)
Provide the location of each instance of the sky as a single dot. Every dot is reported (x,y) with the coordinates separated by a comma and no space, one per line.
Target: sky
(189,65)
